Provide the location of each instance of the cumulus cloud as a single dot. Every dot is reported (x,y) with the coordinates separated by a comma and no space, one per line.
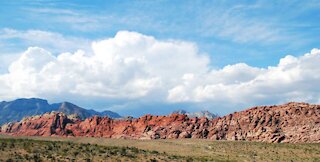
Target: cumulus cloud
(129,66)
(293,79)
(133,66)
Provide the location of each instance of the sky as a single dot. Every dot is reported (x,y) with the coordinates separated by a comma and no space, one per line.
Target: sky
(137,57)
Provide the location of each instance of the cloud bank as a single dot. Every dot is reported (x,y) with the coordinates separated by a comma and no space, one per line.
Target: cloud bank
(133,66)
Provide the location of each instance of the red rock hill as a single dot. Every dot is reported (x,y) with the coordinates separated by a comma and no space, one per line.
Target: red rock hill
(292,122)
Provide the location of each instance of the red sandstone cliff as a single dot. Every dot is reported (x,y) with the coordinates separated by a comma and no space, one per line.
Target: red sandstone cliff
(292,122)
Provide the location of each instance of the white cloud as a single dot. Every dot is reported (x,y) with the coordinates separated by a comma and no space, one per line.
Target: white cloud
(6,60)
(55,42)
(13,41)
(293,79)
(130,65)
(133,66)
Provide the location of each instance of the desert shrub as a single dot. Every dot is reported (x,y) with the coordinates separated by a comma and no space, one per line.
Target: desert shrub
(123,151)
(3,145)
(135,150)
(101,151)
(12,145)
(189,159)
(76,153)
(173,157)
(9,160)
(153,160)
(37,158)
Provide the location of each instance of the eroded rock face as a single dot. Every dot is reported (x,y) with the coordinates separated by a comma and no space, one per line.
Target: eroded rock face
(292,122)
(48,124)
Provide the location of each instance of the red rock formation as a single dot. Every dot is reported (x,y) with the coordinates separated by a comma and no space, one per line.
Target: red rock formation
(44,125)
(292,122)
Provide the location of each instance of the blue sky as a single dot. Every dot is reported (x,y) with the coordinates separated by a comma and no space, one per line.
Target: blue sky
(257,33)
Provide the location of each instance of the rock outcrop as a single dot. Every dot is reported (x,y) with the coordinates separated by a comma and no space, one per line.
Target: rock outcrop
(292,123)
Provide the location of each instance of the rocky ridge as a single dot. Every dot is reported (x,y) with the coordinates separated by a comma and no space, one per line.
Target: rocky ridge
(291,122)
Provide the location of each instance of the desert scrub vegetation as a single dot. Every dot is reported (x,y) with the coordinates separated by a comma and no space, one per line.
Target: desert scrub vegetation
(260,151)
(37,151)
(104,149)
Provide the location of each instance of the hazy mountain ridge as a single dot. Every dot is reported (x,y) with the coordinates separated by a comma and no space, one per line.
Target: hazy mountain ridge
(20,108)
(203,113)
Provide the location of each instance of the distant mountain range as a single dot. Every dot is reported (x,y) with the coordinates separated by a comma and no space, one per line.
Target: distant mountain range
(20,108)
(16,110)
(200,114)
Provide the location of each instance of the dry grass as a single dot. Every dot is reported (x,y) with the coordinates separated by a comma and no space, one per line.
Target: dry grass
(38,151)
(199,149)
